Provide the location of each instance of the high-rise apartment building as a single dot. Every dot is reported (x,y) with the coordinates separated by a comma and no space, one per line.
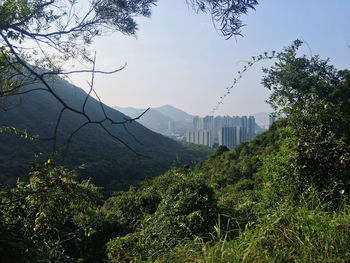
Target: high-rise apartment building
(244,129)
(208,123)
(251,128)
(218,124)
(236,121)
(228,137)
(241,135)
(207,138)
(197,123)
(189,136)
(244,122)
(199,137)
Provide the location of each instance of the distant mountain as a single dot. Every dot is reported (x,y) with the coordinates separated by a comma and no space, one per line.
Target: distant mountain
(107,161)
(157,119)
(152,119)
(174,113)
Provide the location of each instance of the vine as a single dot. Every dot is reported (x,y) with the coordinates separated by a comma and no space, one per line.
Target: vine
(254,60)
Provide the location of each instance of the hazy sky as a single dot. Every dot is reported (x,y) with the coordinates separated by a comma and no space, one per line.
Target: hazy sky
(179,59)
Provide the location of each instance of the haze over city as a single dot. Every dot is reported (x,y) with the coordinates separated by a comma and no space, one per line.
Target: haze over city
(179,59)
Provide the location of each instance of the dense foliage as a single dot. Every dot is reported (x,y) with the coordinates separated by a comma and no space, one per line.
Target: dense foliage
(40,219)
(281,197)
(315,98)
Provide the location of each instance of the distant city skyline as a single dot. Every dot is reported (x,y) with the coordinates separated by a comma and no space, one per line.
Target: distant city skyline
(221,130)
(179,59)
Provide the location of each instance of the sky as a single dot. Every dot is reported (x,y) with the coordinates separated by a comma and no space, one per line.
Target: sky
(178,58)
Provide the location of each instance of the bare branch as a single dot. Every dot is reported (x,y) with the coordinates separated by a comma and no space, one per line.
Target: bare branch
(85,71)
(67,107)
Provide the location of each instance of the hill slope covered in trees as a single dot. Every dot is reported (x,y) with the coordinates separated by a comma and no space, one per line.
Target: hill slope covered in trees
(281,197)
(102,157)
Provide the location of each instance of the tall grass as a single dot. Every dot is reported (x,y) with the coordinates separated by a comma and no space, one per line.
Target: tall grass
(303,233)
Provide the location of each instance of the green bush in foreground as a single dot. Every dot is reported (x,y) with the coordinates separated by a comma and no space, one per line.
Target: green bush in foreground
(38,218)
(188,209)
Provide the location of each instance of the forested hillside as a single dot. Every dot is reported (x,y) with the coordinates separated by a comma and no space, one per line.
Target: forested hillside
(101,157)
(281,197)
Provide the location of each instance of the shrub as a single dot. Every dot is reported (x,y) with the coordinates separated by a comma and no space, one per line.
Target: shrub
(188,209)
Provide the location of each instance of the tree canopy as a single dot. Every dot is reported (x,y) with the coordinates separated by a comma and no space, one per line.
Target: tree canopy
(32,29)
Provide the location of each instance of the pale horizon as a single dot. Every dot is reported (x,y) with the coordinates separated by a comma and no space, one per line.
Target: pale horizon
(179,59)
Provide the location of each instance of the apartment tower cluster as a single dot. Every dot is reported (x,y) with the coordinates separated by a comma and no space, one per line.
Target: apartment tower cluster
(221,130)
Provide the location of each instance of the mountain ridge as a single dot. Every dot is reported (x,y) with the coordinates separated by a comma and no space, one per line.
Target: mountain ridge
(105,159)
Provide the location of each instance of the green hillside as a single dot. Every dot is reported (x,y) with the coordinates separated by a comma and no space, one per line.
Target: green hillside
(281,197)
(102,157)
